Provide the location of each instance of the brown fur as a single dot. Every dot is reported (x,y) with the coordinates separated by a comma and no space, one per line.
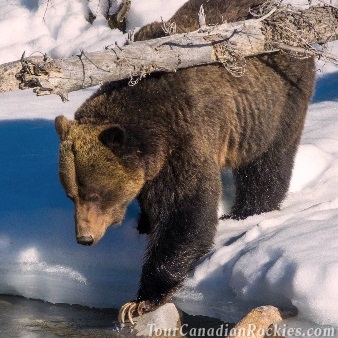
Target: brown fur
(90,186)
(167,139)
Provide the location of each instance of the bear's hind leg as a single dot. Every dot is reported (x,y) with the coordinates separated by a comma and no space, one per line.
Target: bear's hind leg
(262,184)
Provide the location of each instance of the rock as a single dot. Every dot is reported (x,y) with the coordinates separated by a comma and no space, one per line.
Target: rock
(257,322)
(163,322)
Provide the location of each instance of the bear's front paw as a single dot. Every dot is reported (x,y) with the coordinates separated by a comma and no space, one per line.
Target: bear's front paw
(134,309)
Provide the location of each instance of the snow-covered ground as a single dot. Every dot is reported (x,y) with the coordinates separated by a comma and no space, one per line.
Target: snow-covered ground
(288,258)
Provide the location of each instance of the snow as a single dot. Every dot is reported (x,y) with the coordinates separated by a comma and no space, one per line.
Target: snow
(59,27)
(287,258)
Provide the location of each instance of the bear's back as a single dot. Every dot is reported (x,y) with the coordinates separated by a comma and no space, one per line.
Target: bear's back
(207,103)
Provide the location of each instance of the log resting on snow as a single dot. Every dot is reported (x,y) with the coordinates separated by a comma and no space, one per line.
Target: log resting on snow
(225,43)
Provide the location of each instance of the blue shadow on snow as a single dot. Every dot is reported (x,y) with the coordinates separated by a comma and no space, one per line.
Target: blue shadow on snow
(326,88)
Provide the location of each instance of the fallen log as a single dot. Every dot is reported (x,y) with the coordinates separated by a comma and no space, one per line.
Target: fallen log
(283,28)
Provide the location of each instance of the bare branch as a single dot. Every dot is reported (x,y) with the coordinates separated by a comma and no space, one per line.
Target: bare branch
(308,52)
(46,9)
(131,37)
(169,27)
(118,19)
(122,14)
(266,16)
(201,19)
(325,3)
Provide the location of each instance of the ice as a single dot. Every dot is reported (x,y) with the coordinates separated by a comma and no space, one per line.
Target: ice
(287,258)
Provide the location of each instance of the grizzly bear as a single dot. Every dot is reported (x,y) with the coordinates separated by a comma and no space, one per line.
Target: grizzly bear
(165,142)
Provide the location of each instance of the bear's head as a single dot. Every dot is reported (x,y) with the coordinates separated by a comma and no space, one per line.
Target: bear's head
(98,173)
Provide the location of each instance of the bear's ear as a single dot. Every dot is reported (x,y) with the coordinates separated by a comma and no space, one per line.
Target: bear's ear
(62,126)
(113,137)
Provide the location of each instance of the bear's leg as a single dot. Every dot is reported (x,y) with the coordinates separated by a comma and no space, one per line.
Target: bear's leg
(262,184)
(185,207)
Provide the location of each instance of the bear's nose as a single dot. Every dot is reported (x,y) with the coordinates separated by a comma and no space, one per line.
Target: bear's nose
(85,240)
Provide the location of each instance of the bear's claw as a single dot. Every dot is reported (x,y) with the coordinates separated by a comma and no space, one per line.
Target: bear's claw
(127,311)
(132,309)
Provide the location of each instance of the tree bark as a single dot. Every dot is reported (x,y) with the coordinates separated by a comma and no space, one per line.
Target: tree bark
(228,43)
(8,82)
(8,71)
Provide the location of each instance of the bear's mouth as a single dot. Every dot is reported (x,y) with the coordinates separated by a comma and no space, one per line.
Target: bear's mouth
(85,240)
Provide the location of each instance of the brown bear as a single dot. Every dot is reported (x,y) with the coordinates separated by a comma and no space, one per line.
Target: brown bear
(165,142)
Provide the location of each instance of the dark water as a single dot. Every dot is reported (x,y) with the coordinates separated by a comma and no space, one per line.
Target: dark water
(21,317)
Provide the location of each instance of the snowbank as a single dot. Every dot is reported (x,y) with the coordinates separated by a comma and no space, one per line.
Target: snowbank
(59,27)
(288,258)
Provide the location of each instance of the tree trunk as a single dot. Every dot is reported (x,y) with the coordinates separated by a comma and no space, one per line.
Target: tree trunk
(286,28)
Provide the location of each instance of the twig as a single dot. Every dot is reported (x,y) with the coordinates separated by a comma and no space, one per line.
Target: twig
(328,4)
(130,37)
(169,27)
(44,14)
(83,68)
(121,15)
(313,52)
(201,19)
(267,15)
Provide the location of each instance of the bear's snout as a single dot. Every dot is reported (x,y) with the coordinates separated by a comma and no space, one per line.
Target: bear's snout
(85,240)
